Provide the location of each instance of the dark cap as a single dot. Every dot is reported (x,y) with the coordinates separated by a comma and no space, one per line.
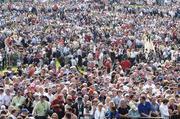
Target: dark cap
(165,101)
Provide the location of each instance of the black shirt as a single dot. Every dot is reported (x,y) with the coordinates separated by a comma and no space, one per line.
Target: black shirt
(123,111)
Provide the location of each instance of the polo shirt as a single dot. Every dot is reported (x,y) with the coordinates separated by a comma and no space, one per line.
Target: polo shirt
(144,108)
(41,108)
(18,101)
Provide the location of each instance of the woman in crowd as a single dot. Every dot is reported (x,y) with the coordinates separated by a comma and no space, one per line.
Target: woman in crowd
(100,112)
(123,109)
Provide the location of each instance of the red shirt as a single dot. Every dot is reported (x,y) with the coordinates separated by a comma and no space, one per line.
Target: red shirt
(56,108)
(87,38)
(126,64)
(9,41)
(107,63)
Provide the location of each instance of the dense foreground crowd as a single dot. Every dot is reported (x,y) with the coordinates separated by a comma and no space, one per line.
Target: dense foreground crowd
(108,69)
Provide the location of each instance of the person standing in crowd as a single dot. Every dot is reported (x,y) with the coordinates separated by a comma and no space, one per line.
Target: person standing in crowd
(144,107)
(2,99)
(7,97)
(100,112)
(155,108)
(79,107)
(164,109)
(29,102)
(41,109)
(123,109)
(172,106)
(18,101)
(57,105)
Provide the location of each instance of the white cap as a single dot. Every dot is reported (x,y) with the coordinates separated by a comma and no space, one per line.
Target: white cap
(3,107)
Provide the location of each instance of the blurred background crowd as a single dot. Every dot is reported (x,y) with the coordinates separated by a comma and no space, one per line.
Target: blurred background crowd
(90,59)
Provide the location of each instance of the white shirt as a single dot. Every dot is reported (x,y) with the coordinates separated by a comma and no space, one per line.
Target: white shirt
(117,100)
(167,1)
(90,56)
(54,49)
(146,86)
(7,99)
(100,115)
(50,97)
(35,102)
(38,70)
(79,52)
(42,1)
(73,62)
(133,55)
(1,57)
(1,99)
(39,94)
(66,50)
(164,111)
(101,56)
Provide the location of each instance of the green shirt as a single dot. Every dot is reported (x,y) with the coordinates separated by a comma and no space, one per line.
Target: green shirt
(41,108)
(18,101)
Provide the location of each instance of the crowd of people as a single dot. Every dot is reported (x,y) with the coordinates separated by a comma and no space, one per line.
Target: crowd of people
(90,59)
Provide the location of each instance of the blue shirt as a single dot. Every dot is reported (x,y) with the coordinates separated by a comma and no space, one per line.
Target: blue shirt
(144,108)
(155,107)
(112,115)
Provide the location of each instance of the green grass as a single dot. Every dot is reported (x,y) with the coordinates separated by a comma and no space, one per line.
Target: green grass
(14,68)
(5,70)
